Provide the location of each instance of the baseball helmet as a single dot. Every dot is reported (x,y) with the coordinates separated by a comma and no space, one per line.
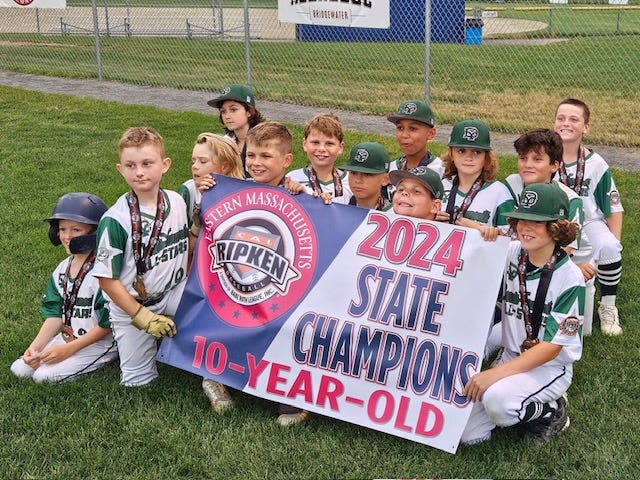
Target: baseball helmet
(80,207)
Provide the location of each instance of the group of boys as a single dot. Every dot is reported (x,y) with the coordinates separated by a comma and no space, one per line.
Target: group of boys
(142,240)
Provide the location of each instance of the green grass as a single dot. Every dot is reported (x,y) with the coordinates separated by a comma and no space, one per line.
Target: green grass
(512,87)
(94,428)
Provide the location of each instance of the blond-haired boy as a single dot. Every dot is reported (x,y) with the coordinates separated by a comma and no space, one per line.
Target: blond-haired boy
(142,255)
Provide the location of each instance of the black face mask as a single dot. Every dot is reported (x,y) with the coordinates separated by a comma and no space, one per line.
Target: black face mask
(83,244)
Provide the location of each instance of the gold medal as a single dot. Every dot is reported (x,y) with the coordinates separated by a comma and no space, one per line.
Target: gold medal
(67,333)
(528,343)
(138,286)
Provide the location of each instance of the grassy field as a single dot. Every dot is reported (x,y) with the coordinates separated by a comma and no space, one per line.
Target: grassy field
(512,87)
(93,428)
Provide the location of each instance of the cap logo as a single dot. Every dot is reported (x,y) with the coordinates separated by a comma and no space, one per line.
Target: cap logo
(420,170)
(470,133)
(409,108)
(248,99)
(225,90)
(529,199)
(361,155)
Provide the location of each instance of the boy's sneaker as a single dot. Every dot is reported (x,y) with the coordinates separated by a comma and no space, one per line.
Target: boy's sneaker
(609,320)
(217,394)
(542,430)
(289,415)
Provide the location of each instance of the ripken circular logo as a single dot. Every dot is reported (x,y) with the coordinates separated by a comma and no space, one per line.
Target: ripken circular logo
(256,256)
(225,90)
(570,326)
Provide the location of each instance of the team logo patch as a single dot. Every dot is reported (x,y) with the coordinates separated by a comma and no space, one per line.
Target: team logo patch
(254,265)
(361,155)
(225,91)
(570,326)
(614,197)
(409,108)
(470,133)
(529,199)
(103,254)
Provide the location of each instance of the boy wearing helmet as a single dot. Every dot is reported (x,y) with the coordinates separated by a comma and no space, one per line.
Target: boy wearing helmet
(76,335)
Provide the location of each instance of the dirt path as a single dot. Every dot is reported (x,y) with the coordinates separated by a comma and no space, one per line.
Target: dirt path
(196,101)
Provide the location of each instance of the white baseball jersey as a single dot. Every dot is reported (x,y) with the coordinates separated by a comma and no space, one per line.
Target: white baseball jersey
(191,196)
(435,164)
(488,206)
(600,197)
(563,311)
(90,306)
(168,263)
(301,175)
(88,312)
(576,213)
(505,402)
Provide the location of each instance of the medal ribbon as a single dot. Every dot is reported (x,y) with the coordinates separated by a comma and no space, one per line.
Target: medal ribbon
(69,298)
(424,161)
(533,319)
(562,171)
(451,204)
(382,203)
(315,183)
(141,259)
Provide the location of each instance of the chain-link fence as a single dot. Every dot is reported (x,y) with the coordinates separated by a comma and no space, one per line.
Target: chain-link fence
(507,62)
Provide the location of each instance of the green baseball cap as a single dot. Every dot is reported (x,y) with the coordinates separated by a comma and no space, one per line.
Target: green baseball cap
(368,157)
(414,110)
(542,202)
(470,134)
(429,178)
(236,92)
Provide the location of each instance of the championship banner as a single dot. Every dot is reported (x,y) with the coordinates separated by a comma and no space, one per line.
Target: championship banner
(34,3)
(343,13)
(369,317)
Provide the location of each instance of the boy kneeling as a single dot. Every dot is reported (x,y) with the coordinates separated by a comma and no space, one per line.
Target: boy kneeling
(541,288)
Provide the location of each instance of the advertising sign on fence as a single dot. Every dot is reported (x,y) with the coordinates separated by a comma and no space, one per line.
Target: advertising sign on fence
(349,13)
(34,3)
(368,317)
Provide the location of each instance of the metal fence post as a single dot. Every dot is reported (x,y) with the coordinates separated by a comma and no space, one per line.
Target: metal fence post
(247,43)
(96,35)
(106,17)
(427,52)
